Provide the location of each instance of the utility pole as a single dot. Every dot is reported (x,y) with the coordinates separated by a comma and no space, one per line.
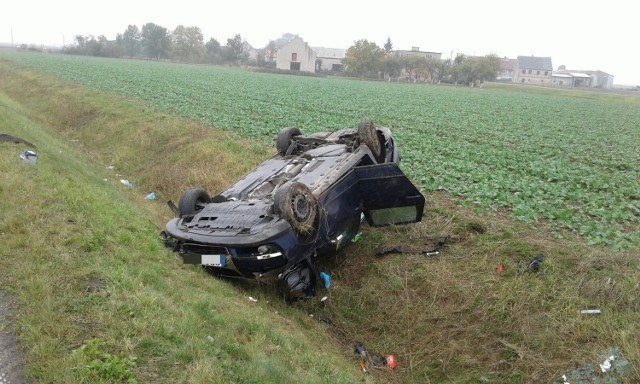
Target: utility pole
(11,37)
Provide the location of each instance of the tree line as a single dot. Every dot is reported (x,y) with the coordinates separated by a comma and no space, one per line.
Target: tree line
(152,41)
(362,59)
(367,59)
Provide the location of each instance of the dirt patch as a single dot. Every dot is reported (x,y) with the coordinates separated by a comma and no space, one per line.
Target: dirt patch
(15,140)
(11,364)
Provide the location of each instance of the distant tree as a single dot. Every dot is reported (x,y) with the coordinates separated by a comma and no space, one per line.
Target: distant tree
(213,54)
(92,46)
(235,51)
(270,50)
(475,70)
(130,41)
(363,59)
(388,46)
(392,66)
(187,44)
(155,41)
(437,68)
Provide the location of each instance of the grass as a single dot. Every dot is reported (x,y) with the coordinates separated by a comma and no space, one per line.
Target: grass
(99,299)
(451,318)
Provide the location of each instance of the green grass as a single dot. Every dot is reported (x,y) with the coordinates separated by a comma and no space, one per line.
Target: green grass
(554,156)
(100,300)
(451,318)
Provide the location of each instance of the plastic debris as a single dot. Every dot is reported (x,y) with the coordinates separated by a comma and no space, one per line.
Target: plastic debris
(534,265)
(326,279)
(127,183)
(324,298)
(253,299)
(378,361)
(500,269)
(606,365)
(28,157)
(358,349)
(210,339)
(356,237)
(391,361)
(590,312)
(151,196)
(613,370)
(110,167)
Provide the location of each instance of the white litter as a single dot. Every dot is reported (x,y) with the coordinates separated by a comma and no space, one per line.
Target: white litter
(253,299)
(606,366)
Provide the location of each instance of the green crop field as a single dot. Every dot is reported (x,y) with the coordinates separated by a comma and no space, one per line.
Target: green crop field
(568,159)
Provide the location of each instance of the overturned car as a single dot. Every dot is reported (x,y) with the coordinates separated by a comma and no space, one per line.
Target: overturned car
(307,200)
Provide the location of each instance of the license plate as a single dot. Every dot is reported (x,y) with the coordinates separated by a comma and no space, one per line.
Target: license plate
(213,260)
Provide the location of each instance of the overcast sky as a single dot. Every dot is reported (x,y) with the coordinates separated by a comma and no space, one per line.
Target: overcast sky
(577,34)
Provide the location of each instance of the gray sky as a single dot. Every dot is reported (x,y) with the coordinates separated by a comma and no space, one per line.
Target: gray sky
(577,34)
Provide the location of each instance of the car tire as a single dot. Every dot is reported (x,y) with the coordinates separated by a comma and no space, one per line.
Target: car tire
(295,203)
(284,139)
(369,135)
(192,201)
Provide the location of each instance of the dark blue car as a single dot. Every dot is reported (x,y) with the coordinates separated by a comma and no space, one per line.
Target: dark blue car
(307,200)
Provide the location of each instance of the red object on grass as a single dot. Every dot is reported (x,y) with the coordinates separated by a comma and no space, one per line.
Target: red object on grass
(391,362)
(500,269)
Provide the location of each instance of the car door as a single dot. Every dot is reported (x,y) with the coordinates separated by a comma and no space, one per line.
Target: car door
(388,196)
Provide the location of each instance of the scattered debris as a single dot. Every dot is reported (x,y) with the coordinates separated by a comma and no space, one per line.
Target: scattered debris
(606,366)
(28,157)
(534,265)
(590,312)
(391,361)
(324,298)
(210,339)
(151,196)
(378,361)
(110,167)
(127,183)
(500,269)
(253,299)
(612,370)
(531,266)
(431,248)
(356,237)
(367,359)
(326,279)
(15,140)
(359,350)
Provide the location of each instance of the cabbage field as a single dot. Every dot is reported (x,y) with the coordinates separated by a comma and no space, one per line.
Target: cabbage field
(569,159)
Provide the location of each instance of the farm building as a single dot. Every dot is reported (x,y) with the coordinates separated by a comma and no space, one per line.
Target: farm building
(415,51)
(585,79)
(507,67)
(570,79)
(329,59)
(533,70)
(296,56)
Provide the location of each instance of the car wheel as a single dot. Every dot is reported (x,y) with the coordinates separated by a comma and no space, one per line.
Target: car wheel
(284,139)
(192,202)
(295,203)
(369,136)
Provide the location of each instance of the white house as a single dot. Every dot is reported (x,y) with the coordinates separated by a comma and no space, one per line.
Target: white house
(296,56)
